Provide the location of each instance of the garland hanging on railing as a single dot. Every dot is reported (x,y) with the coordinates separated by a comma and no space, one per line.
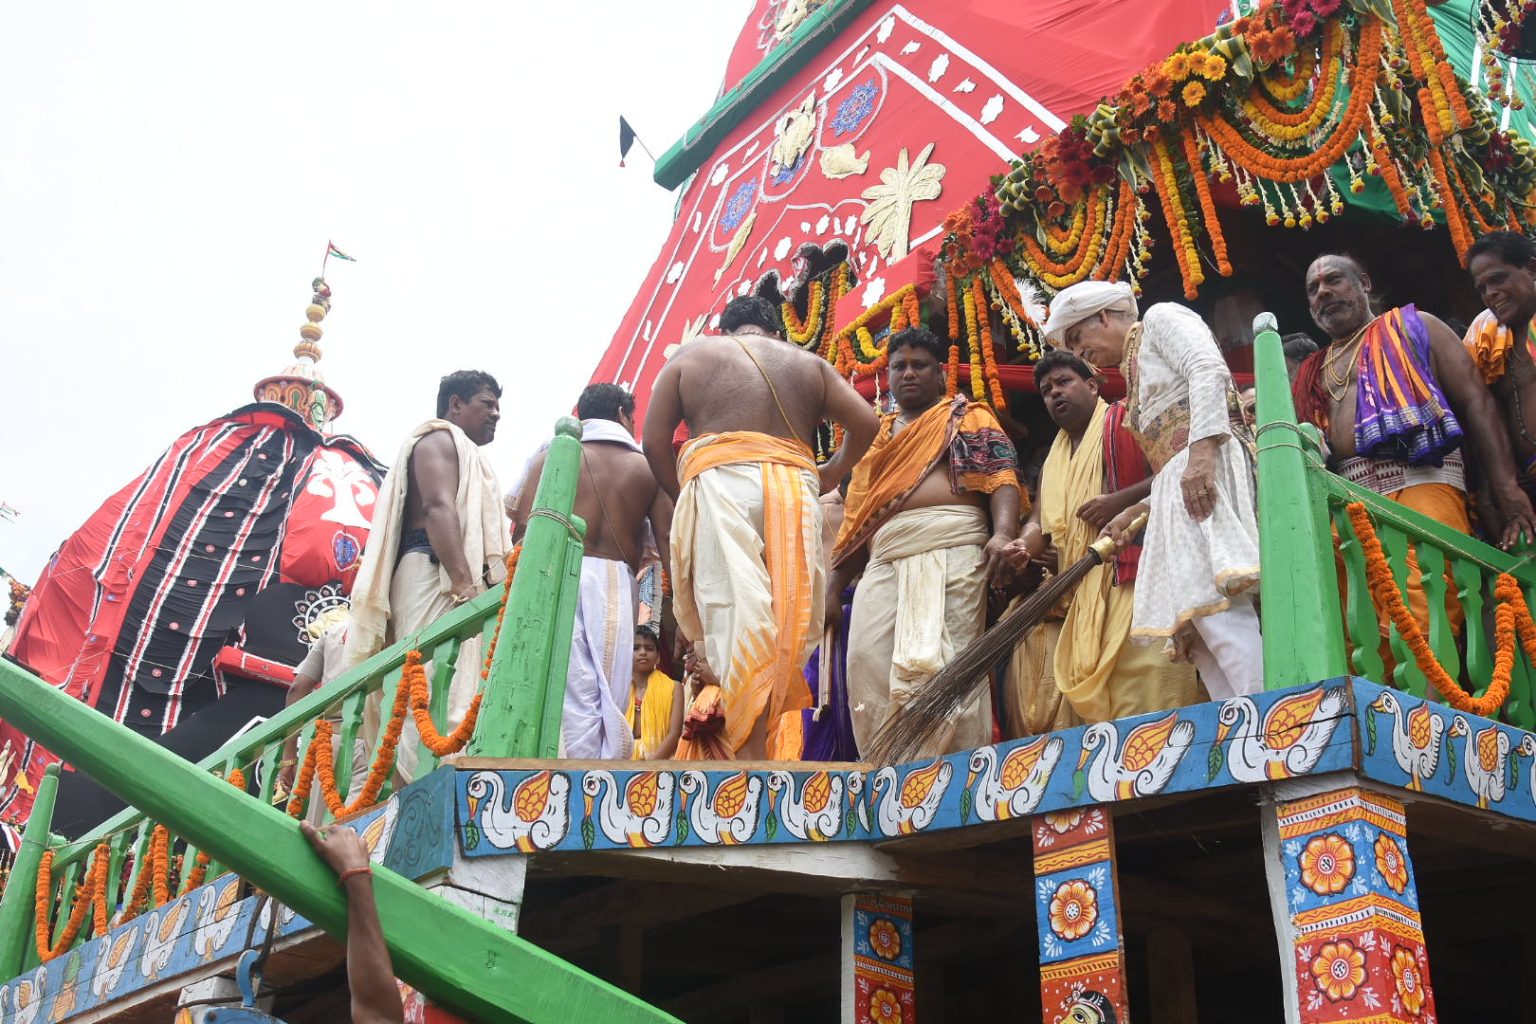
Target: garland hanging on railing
(94,891)
(412,696)
(1273,105)
(1510,617)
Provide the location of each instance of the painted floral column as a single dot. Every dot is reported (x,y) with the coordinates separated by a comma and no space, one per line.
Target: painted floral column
(877,960)
(1356,935)
(1082,963)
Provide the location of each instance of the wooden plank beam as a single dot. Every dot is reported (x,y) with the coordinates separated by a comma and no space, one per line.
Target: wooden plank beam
(492,975)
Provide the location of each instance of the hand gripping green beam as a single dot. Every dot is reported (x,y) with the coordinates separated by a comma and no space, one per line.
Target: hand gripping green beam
(460,961)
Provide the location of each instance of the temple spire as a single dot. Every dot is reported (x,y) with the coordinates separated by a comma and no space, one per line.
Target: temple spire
(299,386)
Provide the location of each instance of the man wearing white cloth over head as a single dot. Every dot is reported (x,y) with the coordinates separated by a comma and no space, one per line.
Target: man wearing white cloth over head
(615,494)
(439,539)
(1200,555)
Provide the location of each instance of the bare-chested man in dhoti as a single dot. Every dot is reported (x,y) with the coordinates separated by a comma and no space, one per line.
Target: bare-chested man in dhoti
(615,495)
(439,540)
(746,534)
(1393,394)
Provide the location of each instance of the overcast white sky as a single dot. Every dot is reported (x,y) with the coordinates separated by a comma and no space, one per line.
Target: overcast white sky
(170,173)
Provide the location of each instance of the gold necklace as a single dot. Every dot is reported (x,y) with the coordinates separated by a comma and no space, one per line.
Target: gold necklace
(1337,383)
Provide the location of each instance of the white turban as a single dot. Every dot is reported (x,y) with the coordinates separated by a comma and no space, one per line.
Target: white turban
(1079,302)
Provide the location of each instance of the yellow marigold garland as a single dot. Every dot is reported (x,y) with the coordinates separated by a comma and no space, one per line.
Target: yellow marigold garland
(1512,615)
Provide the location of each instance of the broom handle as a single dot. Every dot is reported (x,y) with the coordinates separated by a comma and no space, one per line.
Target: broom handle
(1105,546)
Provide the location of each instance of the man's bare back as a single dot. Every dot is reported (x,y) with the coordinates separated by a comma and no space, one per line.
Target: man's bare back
(614,496)
(715,386)
(723,390)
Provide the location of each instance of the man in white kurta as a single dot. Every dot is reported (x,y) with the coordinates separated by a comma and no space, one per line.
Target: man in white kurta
(1200,554)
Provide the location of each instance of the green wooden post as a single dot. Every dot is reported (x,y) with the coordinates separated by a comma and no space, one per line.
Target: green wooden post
(527,678)
(459,960)
(16,907)
(1303,635)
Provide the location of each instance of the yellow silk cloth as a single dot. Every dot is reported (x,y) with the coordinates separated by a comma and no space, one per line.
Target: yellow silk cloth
(748,572)
(896,463)
(1101,673)
(661,694)
(1034,703)
(1489,343)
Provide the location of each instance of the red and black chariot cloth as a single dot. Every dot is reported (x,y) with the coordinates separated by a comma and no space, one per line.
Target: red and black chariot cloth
(214,545)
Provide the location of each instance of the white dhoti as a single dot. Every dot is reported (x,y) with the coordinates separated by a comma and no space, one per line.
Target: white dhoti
(416,600)
(597,684)
(923,597)
(397,596)
(746,555)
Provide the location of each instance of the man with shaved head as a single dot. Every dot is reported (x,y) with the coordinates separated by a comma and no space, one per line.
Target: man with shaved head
(1393,395)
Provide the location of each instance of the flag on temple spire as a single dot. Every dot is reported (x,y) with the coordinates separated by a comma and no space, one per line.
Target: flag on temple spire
(626,139)
(331,250)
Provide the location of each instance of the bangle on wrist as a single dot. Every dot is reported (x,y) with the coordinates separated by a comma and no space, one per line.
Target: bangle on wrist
(341,879)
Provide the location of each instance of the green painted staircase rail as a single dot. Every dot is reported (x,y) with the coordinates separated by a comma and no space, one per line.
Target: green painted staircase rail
(459,960)
(1319,621)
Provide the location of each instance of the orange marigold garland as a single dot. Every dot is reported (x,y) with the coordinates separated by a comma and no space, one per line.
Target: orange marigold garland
(435,741)
(1184,251)
(994,384)
(1207,204)
(858,354)
(89,895)
(1511,615)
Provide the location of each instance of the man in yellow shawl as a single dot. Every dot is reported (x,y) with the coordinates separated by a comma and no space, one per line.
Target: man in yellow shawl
(746,531)
(929,513)
(1095,471)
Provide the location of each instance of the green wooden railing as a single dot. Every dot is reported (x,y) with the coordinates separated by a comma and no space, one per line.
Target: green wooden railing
(520,717)
(1318,622)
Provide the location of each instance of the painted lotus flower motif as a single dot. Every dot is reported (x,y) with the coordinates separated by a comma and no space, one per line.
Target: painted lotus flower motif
(1391,863)
(885,938)
(1327,864)
(1408,981)
(1074,909)
(1338,969)
(884,1007)
(1062,822)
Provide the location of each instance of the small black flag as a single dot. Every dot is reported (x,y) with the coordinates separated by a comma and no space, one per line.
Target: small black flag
(626,139)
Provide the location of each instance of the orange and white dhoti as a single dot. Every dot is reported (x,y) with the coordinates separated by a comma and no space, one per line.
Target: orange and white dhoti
(748,571)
